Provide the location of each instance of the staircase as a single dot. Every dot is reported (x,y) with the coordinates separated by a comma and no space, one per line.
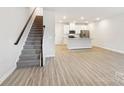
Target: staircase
(30,55)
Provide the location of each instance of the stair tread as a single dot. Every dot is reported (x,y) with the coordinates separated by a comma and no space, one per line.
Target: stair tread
(23,61)
(30,55)
(32,46)
(36,32)
(31,49)
(29,63)
(34,37)
(33,41)
(26,55)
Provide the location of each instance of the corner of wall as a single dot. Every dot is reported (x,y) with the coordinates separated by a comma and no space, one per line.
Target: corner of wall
(9,72)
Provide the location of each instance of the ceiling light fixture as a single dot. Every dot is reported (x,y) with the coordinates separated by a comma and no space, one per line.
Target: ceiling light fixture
(82,18)
(86,22)
(97,19)
(60,21)
(64,17)
(74,21)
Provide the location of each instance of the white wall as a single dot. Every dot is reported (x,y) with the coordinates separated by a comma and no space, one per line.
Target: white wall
(59,33)
(12,21)
(92,33)
(39,11)
(109,33)
(49,33)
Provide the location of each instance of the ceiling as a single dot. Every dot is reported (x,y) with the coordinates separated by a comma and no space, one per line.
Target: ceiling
(89,13)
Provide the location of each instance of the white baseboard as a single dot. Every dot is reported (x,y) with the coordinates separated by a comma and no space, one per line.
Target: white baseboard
(7,74)
(50,55)
(114,50)
(44,59)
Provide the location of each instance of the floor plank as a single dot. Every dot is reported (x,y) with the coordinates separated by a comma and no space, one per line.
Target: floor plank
(83,67)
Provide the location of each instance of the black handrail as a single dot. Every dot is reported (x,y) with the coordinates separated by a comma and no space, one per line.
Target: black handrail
(41,60)
(17,41)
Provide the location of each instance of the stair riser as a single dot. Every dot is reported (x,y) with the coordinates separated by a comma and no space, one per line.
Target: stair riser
(32,47)
(29,58)
(30,55)
(27,64)
(38,32)
(34,38)
(33,43)
(38,27)
(37,24)
(35,29)
(35,35)
(30,52)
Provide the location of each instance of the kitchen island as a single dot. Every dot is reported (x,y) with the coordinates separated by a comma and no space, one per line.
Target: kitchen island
(78,43)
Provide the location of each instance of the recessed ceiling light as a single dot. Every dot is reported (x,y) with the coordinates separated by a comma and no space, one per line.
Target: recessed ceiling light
(97,19)
(60,21)
(74,21)
(86,22)
(64,17)
(82,18)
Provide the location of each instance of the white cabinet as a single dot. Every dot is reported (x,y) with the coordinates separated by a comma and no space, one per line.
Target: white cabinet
(78,43)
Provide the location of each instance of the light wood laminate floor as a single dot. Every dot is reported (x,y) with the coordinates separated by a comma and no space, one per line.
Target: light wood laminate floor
(87,67)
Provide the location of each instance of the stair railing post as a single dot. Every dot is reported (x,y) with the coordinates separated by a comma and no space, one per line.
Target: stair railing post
(41,54)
